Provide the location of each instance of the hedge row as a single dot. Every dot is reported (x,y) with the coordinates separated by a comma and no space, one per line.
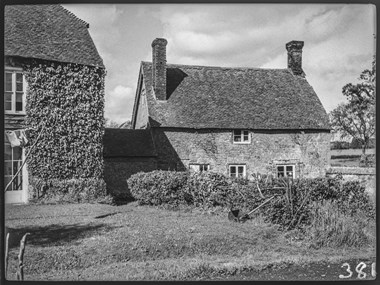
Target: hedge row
(290,208)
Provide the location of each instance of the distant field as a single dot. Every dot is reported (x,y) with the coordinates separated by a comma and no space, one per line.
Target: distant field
(353,152)
(347,157)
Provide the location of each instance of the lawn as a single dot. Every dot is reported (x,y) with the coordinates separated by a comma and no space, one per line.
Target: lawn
(131,242)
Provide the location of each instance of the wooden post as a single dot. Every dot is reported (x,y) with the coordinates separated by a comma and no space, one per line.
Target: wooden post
(20,271)
(6,255)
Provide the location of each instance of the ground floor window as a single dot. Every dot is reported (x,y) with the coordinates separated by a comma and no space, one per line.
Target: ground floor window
(199,167)
(285,171)
(12,162)
(237,170)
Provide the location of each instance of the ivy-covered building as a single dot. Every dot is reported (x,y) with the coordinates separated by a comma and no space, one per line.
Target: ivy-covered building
(235,121)
(54,87)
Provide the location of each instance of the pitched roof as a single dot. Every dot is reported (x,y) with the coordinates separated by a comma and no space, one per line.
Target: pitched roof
(48,32)
(128,143)
(235,98)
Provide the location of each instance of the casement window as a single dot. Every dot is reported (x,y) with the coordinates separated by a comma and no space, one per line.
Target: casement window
(236,170)
(199,167)
(285,171)
(12,162)
(241,137)
(14,91)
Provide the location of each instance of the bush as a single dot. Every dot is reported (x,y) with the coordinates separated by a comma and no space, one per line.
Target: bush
(340,145)
(87,190)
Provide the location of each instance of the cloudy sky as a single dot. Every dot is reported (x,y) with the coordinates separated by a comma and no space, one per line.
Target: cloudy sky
(339,41)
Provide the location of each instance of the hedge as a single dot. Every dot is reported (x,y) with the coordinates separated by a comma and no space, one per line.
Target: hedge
(290,208)
(68,99)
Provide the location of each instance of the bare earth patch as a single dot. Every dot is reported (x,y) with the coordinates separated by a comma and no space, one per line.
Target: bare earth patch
(131,242)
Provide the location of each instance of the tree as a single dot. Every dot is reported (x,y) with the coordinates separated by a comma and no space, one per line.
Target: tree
(356,118)
(108,123)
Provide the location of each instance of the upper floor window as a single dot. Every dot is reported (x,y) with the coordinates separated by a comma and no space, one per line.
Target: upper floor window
(237,170)
(14,91)
(241,136)
(199,167)
(285,171)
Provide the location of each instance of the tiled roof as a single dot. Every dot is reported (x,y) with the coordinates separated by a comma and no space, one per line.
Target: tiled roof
(249,98)
(48,32)
(128,143)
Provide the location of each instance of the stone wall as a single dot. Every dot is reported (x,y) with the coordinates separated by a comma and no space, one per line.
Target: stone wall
(118,170)
(309,152)
(367,176)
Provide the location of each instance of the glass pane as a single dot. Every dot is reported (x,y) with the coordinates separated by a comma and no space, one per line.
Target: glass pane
(237,138)
(241,169)
(8,168)
(17,152)
(19,83)
(7,179)
(245,138)
(8,106)
(19,86)
(194,167)
(7,152)
(289,168)
(8,81)
(232,170)
(19,102)
(8,96)
(17,183)
(280,168)
(16,166)
(245,133)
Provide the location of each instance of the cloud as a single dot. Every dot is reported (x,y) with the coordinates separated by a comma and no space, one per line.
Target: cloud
(119,103)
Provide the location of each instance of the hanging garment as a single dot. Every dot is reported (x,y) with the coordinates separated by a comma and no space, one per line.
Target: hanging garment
(23,138)
(13,138)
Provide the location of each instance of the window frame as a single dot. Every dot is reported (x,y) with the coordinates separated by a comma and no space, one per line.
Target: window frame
(237,171)
(14,71)
(200,165)
(285,170)
(20,176)
(241,135)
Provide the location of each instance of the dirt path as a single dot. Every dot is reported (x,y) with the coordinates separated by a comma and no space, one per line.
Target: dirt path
(313,271)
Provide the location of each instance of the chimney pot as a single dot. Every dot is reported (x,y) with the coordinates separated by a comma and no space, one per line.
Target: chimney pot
(294,49)
(159,67)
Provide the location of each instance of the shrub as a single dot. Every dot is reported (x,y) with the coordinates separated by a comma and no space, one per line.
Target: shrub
(87,190)
(158,187)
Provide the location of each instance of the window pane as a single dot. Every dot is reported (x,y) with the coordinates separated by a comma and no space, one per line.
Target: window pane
(8,81)
(289,168)
(7,179)
(17,152)
(16,166)
(19,83)
(17,183)
(237,138)
(232,171)
(241,169)
(194,167)
(8,96)
(7,152)
(246,138)
(19,101)
(8,168)
(8,106)
(280,168)
(245,133)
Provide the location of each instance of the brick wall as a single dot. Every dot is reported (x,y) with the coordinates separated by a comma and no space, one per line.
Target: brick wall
(118,170)
(310,152)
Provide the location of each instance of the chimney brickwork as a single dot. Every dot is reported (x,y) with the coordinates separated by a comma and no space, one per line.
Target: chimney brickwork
(294,49)
(159,68)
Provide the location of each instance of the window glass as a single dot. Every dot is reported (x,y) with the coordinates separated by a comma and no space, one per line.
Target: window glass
(285,171)
(8,81)
(19,102)
(241,135)
(19,83)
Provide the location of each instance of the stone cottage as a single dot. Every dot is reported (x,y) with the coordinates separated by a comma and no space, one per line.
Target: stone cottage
(36,34)
(236,121)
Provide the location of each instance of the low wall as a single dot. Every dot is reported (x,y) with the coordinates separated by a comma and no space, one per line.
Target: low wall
(367,176)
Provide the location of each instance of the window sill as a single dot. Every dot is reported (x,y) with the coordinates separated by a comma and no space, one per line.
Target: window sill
(15,113)
(241,142)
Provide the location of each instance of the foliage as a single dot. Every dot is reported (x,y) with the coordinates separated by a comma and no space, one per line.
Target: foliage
(357,117)
(81,190)
(108,123)
(340,145)
(65,106)
(330,226)
(290,208)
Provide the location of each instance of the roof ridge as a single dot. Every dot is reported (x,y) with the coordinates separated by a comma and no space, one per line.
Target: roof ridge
(219,67)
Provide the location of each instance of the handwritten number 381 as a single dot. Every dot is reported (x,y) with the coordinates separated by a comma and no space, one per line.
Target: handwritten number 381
(359,269)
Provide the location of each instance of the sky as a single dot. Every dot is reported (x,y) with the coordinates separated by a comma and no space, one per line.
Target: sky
(339,41)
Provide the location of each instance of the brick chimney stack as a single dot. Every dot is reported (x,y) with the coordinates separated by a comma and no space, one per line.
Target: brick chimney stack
(294,49)
(159,67)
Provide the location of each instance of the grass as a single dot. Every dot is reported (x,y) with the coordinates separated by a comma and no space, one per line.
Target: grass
(131,242)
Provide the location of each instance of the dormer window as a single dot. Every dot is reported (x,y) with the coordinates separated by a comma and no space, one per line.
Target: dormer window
(241,137)
(14,92)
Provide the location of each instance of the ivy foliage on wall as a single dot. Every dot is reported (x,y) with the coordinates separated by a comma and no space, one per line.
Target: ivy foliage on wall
(68,99)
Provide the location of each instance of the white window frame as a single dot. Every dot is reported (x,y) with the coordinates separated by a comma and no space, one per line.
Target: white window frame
(285,170)
(241,135)
(199,167)
(20,175)
(237,172)
(14,71)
